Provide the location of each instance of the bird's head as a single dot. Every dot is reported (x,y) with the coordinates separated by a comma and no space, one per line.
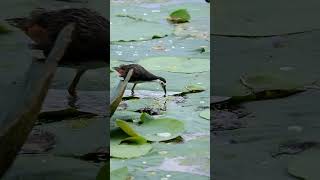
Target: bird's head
(122,70)
(24,23)
(163,82)
(21,23)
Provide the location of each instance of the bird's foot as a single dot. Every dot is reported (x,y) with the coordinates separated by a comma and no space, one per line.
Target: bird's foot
(73,98)
(132,93)
(72,101)
(72,92)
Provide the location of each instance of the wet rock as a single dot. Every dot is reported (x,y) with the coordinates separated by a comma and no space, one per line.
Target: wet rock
(149,111)
(224,120)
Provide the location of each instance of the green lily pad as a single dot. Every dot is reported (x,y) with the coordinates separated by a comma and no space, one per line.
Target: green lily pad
(121,150)
(119,174)
(135,139)
(179,16)
(154,130)
(194,88)
(176,64)
(264,19)
(191,89)
(4,29)
(263,81)
(305,165)
(131,29)
(205,114)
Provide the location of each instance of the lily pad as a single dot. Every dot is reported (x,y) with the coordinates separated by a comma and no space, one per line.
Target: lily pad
(121,150)
(4,30)
(219,99)
(179,16)
(305,165)
(135,139)
(176,64)
(264,19)
(154,130)
(191,89)
(119,174)
(205,114)
(131,29)
(268,81)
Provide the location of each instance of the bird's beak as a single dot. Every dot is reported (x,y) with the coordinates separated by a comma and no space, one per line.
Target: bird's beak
(163,85)
(17,22)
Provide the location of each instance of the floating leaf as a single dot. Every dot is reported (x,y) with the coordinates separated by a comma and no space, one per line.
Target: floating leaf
(179,16)
(205,114)
(126,128)
(241,21)
(121,150)
(119,174)
(268,81)
(4,30)
(145,117)
(128,29)
(176,64)
(135,140)
(305,165)
(191,89)
(154,130)
(265,95)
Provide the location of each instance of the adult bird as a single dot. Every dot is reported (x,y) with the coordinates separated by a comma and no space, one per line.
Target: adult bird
(90,39)
(140,75)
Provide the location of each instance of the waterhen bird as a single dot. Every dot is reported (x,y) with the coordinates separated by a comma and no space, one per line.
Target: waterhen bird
(90,39)
(140,75)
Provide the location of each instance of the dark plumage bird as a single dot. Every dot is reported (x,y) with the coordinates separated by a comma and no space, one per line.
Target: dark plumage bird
(90,39)
(140,75)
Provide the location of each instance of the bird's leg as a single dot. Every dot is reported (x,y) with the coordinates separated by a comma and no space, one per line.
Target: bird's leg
(76,79)
(35,46)
(132,89)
